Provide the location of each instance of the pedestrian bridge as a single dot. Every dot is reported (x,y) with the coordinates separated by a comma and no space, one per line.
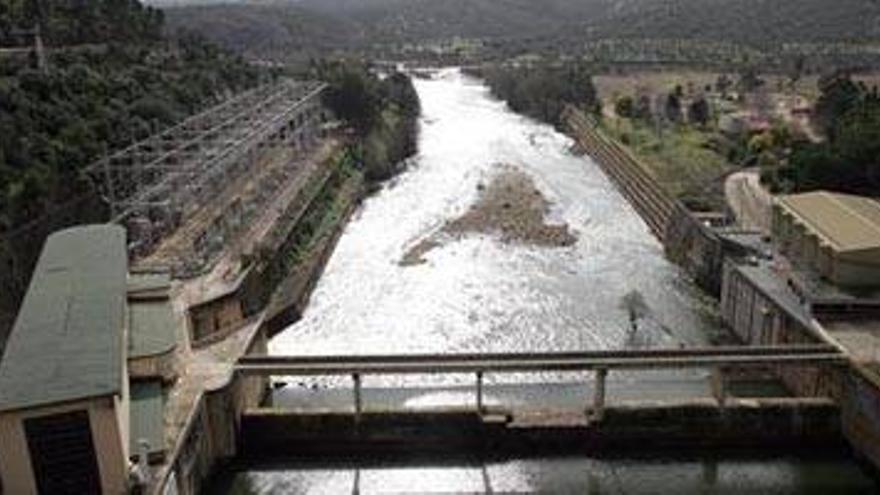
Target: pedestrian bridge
(718,420)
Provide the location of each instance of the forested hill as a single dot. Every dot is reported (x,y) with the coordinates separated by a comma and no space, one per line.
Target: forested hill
(110,78)
(319,24)
(89,21)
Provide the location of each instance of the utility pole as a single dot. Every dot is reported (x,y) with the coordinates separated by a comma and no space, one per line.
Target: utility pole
(39,48)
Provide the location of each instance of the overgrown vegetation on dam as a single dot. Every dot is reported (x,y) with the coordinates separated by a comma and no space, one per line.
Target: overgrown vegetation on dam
(326,211)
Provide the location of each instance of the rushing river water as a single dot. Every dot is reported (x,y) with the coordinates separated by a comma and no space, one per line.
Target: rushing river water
(477,294)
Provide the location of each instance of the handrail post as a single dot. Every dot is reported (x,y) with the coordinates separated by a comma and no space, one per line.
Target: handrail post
(719,388)
(599,394)
(358,406)
(480,392)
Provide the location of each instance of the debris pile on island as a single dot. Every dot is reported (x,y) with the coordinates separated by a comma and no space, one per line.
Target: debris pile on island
(510,207)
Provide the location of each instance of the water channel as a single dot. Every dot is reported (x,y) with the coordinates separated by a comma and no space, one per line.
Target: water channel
(475,293)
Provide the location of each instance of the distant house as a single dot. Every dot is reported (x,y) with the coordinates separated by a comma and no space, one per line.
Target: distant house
(836,236)
(736,124)
(82,373)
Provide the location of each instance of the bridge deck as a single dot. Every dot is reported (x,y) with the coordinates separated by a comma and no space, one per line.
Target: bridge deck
(535,362)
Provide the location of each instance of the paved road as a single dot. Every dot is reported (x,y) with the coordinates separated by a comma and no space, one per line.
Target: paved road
(750,202)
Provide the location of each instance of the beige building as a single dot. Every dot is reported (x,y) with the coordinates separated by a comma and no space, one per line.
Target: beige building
(836,236)
(64,401)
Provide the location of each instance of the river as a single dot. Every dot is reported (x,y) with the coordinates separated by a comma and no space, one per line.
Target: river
(479,294)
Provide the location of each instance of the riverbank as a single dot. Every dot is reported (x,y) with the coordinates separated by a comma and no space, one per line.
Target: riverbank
(315,238)
(687,239)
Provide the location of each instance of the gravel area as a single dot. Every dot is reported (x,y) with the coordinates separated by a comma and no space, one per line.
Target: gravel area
(509,207)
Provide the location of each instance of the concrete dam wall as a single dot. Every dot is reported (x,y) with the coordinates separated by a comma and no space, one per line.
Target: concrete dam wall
(686,240)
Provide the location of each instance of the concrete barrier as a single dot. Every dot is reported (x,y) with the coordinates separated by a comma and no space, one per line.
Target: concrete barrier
(698,424)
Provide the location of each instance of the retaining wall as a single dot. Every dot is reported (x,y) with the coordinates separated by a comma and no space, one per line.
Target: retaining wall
(686,240)
(643,192)
(698,424)
(292,294)
(762,317)
(212,431)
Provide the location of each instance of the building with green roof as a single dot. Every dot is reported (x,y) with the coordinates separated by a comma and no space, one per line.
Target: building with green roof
(66,416)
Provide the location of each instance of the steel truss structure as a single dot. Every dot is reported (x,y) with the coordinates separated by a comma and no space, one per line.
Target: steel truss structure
(153,185)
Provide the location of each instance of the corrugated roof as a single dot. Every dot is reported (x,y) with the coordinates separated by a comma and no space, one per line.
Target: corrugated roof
(844,221)
(67,341)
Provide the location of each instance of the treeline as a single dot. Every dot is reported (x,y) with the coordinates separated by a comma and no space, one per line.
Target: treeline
(280,32)
(505,28)
(542,91)
(80,22)
(55,122)
(848,160)
(383,112)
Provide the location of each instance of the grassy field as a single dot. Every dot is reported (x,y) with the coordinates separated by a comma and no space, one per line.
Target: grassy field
(679,158)
(683,157)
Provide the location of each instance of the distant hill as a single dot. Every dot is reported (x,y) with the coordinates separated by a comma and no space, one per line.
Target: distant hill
(265,31)
(316,25)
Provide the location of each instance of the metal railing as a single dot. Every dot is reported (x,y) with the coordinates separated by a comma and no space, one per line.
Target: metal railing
(716,359)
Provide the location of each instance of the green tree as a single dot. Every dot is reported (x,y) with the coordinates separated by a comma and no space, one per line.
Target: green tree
(672,110)
(749,80)
(723,84)
(543,91)
(625,107)
(839,95)
(353,96)
(698,111)
(642,109)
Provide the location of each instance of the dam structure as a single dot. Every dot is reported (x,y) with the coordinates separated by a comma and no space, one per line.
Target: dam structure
(186,341)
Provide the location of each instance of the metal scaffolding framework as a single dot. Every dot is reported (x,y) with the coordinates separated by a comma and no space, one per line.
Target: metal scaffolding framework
(152,186)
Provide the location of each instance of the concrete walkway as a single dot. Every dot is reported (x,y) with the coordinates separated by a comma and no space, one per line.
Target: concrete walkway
(211,367)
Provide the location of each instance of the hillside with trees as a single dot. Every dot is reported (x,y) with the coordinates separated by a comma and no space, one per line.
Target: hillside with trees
(110,78)
(848,160)
(510,27)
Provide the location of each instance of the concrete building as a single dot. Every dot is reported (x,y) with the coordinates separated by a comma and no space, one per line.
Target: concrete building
(835,236)
(72,416)
(64,401)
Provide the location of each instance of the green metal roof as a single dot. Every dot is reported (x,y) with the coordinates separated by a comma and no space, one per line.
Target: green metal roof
(67,341)
(148,282)
(146,413)
(151,328)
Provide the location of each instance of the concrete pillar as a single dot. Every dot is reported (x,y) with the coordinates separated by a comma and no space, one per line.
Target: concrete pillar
(358,405)
(480,392)
(719,388)
(599,394)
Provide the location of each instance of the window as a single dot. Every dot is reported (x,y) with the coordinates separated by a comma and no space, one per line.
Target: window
(63,454)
